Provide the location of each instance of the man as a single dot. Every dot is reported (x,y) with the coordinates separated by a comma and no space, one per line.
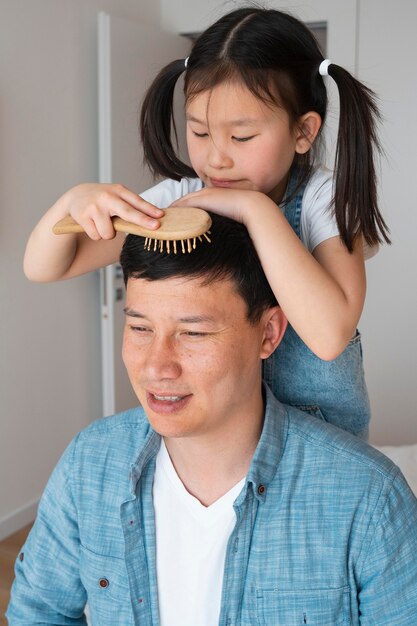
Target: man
(214,503)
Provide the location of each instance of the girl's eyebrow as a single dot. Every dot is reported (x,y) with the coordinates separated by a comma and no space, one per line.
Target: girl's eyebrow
(244,121)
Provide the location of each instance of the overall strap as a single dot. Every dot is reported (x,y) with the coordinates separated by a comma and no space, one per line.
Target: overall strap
(292,208)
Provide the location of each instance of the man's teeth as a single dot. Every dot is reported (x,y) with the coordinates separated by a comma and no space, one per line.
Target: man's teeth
(167,398)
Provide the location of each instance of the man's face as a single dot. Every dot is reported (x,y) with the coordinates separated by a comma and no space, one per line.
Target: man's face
(192,356)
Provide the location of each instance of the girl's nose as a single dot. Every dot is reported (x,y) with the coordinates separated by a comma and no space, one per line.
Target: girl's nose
(218,157)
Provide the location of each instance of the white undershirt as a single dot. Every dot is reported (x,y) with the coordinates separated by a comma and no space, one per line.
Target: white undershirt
(191,542)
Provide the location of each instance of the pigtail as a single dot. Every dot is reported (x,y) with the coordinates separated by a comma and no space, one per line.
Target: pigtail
(355,197)
(157,125)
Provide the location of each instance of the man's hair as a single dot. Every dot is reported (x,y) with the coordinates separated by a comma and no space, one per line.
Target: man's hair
(231,255)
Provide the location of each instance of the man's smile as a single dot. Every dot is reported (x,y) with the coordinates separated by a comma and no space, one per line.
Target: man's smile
(167,402)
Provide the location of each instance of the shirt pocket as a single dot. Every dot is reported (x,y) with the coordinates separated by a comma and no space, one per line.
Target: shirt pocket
(106,582)
(304,607)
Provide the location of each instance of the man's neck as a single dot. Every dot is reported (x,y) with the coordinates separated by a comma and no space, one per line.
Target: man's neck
(209,467)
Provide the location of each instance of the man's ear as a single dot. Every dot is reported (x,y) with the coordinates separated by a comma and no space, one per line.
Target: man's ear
(275,324)
(306,131)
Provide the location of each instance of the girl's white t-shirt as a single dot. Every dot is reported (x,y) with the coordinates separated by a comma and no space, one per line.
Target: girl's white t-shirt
(318,222)
(191,543)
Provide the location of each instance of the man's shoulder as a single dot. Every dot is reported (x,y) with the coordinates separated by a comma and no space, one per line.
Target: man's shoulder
(336,447)
(126,433)
(131,419)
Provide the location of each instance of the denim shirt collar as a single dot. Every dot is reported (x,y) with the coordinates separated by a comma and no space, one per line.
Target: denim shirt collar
(269,450)
(264,463)
(147,454)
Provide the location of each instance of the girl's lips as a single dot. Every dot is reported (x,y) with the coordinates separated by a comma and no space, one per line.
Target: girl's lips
(217,182)
(165,403)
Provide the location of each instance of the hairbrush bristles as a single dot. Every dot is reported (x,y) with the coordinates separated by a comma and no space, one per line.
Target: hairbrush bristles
(187,245)
(179,225)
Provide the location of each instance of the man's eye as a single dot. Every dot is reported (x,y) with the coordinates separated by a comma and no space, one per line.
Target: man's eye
(139,329)
(195,333)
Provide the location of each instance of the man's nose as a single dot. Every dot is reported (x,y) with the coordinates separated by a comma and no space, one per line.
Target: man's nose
(162,360)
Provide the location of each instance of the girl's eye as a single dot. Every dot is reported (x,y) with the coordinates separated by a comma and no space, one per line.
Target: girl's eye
(242,139)
(200,134)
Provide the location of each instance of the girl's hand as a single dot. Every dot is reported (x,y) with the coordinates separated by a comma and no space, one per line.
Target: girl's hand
(234,203)
(93,205)
(56,257)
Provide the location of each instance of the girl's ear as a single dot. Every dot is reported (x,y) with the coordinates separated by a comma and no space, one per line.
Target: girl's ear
(306,131)
(274,327)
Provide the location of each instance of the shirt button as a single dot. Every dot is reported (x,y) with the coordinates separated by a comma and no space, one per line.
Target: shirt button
(261,489)
(21,556)
(103,582)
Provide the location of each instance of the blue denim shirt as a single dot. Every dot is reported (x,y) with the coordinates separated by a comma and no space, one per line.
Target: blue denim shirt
(326,532)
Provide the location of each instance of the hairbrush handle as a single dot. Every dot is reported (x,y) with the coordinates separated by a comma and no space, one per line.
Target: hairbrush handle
(178,223)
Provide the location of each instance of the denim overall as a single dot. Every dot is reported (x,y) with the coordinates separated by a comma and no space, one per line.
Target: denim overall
(334,391)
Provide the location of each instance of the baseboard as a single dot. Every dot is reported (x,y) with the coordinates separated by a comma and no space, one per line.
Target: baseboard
(19,518)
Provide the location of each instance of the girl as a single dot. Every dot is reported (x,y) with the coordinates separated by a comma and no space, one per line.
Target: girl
(255,105)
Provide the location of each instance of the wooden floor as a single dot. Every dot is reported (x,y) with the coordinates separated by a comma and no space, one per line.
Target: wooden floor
(9,549)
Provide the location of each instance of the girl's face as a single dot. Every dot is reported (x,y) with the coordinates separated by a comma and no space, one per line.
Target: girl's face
(237,141)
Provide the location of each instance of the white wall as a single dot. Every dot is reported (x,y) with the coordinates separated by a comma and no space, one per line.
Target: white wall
(377,40)
(387,53)
(49,334)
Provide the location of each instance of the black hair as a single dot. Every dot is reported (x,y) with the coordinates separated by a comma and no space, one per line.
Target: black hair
(277,57)
(231,255)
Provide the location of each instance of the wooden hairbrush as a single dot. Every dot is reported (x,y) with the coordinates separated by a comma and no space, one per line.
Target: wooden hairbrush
(180,227)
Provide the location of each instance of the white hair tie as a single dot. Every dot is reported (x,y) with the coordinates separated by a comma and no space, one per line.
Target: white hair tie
(324,67)
(186,62)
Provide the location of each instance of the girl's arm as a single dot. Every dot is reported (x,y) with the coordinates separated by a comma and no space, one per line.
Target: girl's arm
(51,257)
(322,294)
